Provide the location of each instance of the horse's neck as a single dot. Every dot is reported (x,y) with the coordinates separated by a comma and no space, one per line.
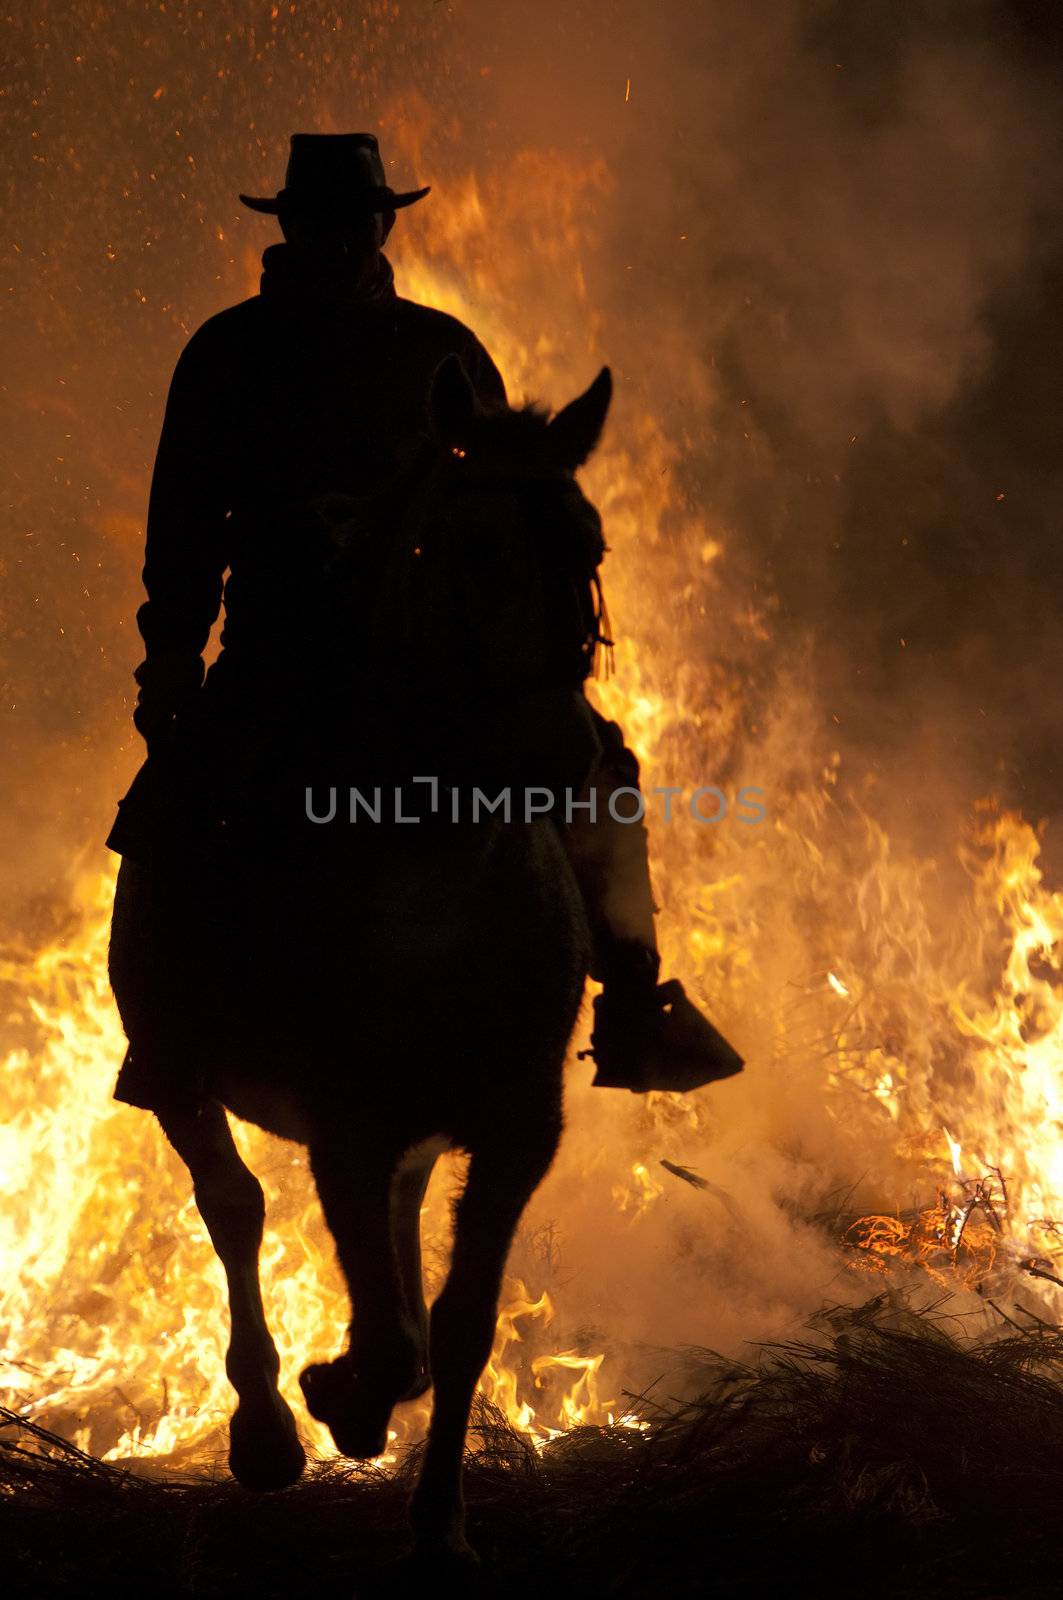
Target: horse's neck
(429,623)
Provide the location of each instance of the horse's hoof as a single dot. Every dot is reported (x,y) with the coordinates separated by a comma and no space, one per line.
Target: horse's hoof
(264,1448)
(420,1385)
(439,1535)
(326,1385)
(356,1417)
(452,1554)
(452,1557)
(434,1564)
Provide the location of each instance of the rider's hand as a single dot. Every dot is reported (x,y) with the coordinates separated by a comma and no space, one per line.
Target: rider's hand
(168,683)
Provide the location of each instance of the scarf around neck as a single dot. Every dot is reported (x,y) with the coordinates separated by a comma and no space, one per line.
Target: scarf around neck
(287,276)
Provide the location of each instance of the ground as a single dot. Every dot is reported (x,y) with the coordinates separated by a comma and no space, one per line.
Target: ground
(877,1458)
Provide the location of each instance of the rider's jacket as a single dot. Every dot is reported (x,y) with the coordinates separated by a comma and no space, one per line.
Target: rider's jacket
(307,389)
(291,394)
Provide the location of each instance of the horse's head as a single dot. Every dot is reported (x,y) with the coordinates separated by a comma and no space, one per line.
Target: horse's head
(504,446)
(513,523)
(499,555)
(471,585)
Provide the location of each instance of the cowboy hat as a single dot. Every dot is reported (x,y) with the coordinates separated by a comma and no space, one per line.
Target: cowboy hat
(334,172)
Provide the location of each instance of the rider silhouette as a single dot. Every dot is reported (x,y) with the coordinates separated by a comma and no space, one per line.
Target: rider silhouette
(317,387)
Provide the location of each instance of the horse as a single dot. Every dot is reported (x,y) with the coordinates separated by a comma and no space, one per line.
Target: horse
(383,990)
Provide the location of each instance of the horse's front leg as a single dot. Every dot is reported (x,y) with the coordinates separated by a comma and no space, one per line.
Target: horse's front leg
(264,1448)
(356,1394)
(408,1192)
(501,1180)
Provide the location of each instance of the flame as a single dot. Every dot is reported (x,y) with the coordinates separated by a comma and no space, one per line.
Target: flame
(638,1198)
(113,1321)
(112,1306)
(1011,1035)
(580,1404)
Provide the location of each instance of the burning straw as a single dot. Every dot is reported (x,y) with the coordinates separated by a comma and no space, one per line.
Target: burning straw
(882,1452)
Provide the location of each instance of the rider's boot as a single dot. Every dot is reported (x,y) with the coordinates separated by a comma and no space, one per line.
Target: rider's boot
(647,1035)
(650,1035)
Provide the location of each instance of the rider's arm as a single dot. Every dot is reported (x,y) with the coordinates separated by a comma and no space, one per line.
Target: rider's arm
(186,549)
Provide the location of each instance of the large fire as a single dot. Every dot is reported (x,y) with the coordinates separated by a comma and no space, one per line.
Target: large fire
(901,1017)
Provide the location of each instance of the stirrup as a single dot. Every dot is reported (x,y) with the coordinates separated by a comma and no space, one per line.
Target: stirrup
(659,1040)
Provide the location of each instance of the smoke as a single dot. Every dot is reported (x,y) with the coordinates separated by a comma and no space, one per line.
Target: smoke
(820,246)
(830,265)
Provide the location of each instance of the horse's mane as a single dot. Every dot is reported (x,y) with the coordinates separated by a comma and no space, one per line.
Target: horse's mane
(513,428)
(522,422)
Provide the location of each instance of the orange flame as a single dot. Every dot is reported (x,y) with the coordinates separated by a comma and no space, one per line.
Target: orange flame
(940,1008)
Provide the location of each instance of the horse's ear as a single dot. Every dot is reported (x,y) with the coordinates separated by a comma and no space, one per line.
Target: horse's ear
(575,431)
(452,402)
